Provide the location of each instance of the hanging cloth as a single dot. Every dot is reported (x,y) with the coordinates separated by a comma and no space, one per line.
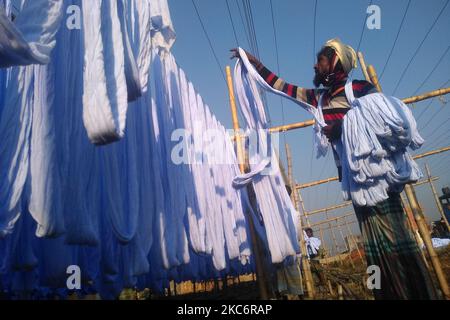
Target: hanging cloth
(105,97)
(31,37)
(278,214)
(320,140)
(376,133)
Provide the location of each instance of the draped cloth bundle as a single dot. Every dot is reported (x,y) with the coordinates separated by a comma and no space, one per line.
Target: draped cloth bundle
(279,217)
(31,37)
(321,141)
(376,133)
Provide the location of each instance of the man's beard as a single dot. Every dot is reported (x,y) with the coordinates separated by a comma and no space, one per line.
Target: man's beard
(321,78)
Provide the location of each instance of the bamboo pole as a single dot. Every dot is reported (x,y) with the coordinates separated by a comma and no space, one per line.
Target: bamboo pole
(347,248)
(343,224)
(302,204)
(431,153)
(319,182)
(349,230)
(323,239)
(428,95)
(305,262)
(342,205)
(308,123)
(413,225)
(315,183)
(294,195)
(362,62)
(373,77)
(292,126)
(424,181)
(235,119)
(332,219)
(423,229)
(333,235)
(263,289)
(416,157)
(436,197)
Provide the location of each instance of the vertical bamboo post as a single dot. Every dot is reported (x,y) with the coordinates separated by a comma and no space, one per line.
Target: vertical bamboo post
(362,63)
(323,239)
(294,195)
(302,206)
(346,247)
(413,225)
(373,77)
(349,230)
(305,262)
(263,289)
(419,217)
(423,229)
(235,119)
(436,197)
(333,235)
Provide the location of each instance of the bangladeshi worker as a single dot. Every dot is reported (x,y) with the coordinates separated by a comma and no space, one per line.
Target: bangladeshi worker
(388,241)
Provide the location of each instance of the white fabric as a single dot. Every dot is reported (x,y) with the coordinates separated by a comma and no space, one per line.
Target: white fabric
(125,213)
(163,33)
(15,128)
(438,242)
(131,69)
(117,59)
(141,30)
(376,132)
(105,98)
(31,37)
(312,243)
(45,199)
(274,203)
(321,141)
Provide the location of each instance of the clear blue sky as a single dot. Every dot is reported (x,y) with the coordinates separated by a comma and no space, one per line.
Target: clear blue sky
(294,20)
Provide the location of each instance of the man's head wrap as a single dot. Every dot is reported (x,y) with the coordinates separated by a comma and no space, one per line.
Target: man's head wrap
(345,53)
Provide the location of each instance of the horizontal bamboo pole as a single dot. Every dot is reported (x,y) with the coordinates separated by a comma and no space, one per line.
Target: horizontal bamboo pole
(338,206)
(341,225)
(419,156)
(428,95)
(292,126)
(430,153)
(409,100)
(424,181)
(346,204)
(333,219)
(315,183)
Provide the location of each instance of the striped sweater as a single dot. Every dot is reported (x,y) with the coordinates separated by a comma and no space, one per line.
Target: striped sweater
(334,103)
